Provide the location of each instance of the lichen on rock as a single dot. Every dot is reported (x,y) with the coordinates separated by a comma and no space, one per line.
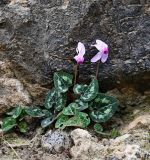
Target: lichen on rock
(56,141)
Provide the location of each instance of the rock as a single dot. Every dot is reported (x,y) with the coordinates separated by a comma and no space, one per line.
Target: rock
(12,93)
(142,121)
(5,69)
(128,152)
(127,146)
(39,37)
(56,142)
(82,141)
(15,90)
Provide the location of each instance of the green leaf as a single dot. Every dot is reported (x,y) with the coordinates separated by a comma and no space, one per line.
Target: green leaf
(16,112)
(34,111)
(103,109)
(61,99)
(100,101)
(71,109)
(50,99)
(98,128)
(23,127)
(114,133)
(8,123)
(79,120)
(62,81)
(55,99)
(91,91)
(61,120)
(46,122)
(79,88)
(47,113)
(81,105)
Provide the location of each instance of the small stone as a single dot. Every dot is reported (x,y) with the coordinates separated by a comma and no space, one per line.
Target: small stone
(82,141)
(56,142)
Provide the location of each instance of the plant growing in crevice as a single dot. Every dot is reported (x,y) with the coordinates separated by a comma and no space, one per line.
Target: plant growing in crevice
(87,105)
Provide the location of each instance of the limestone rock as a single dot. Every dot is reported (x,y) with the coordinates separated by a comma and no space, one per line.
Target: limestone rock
(15,90)
(12,93)
(127,146)
(56,141)
(82,141)
(142,121)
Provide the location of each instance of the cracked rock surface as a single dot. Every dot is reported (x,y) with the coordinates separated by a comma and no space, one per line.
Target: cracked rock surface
(37,35)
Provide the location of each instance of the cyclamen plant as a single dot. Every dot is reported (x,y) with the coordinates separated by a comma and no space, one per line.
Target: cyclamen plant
(87,105)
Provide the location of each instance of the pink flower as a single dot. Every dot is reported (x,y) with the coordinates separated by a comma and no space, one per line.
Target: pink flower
(103,51)
(81,51)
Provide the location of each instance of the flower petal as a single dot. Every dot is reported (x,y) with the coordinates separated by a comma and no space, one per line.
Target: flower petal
(100,45)
(80,49)
(97,57)
(104,58)
(79,59)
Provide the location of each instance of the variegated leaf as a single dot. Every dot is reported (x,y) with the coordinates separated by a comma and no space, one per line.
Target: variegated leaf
(62,81)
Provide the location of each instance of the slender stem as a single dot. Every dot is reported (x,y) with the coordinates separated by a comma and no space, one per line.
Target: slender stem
(97,69)
(75,73)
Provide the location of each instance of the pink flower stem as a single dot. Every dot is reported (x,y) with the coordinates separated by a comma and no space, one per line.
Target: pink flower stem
(75,73)
(97,69)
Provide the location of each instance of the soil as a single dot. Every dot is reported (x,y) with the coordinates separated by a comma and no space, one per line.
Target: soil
(16,146)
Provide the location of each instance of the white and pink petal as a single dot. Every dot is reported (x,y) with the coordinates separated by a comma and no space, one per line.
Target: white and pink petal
(104,58)
(80,49)
(97,57)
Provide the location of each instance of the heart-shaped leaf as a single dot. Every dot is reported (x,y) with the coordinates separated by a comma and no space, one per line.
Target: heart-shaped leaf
(46,122)
(100,101)
(62,81)
(91,91)
(79,120)
(79,88)
(55,99)
(61,120)
(71,109)
(104,109)
(34,111)
(16,112)
(23,127)
(81,105)
(98,128)
(8,123)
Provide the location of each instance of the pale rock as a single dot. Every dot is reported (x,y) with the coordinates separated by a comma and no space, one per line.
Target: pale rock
(125,147)
(82,141)
(138,122)
(56,141)
(12,93)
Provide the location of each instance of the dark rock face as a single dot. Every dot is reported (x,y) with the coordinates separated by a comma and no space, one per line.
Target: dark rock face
(38,36)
